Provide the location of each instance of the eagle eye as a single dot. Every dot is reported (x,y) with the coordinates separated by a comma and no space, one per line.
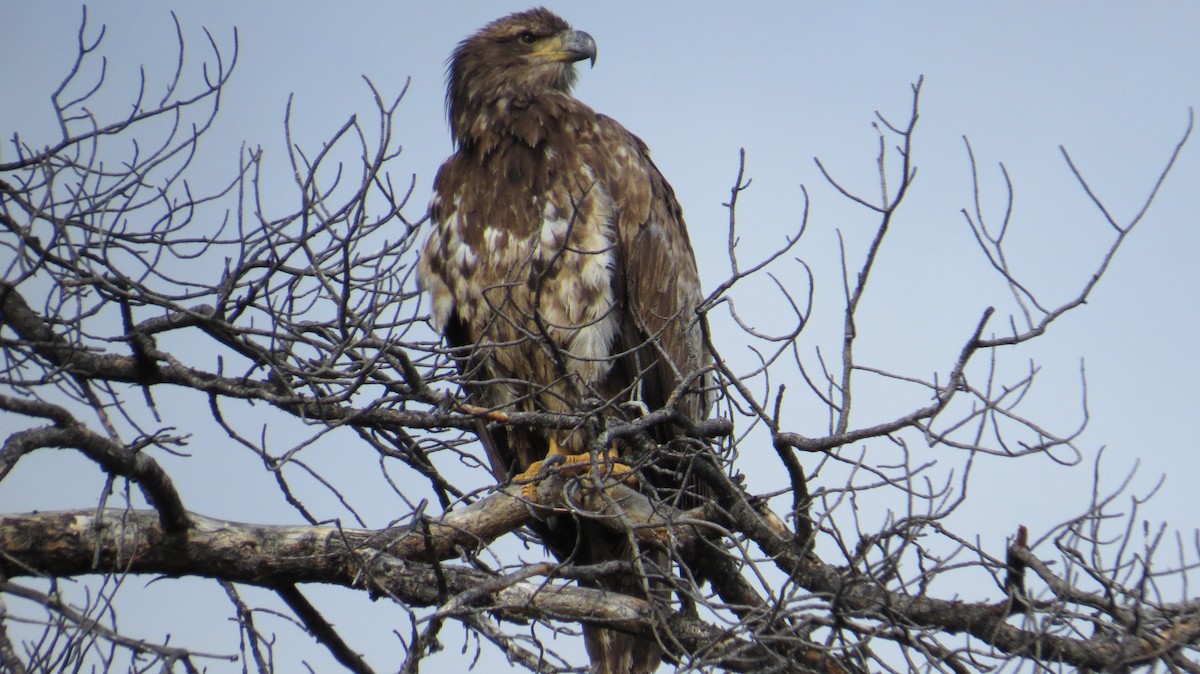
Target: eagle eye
(527,38)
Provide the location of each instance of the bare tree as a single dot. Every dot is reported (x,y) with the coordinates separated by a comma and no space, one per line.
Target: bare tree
(148,318)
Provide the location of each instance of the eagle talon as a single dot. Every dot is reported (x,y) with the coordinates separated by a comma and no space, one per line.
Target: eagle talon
(609,464)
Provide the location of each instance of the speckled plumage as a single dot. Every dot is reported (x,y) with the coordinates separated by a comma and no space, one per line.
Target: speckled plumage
(558,258)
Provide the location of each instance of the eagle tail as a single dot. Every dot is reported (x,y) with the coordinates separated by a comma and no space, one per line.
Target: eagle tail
(612,651)
(615,652)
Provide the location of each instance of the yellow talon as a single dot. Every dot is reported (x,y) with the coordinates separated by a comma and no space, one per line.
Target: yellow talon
(555,456)
(531,474)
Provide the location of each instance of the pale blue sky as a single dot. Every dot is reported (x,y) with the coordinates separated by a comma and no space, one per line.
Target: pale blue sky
(1112,82)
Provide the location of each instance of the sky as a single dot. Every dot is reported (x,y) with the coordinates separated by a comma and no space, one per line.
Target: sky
(1110,82)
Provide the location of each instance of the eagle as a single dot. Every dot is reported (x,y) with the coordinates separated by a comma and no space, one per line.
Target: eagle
(560,273)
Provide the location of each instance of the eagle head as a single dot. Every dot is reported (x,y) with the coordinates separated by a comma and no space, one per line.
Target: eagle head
(509,62)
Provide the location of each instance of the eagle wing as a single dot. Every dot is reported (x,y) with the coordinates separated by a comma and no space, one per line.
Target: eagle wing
(657,265)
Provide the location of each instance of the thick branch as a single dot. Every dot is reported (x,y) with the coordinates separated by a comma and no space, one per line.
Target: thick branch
(75,543)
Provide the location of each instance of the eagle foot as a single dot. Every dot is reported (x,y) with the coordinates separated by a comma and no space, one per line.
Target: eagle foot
(558,460)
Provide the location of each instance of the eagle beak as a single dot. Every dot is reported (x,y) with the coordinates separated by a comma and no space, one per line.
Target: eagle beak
(578,45)
(568,46)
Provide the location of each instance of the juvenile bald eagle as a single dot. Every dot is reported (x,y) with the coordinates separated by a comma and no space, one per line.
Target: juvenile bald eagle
(560,268)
